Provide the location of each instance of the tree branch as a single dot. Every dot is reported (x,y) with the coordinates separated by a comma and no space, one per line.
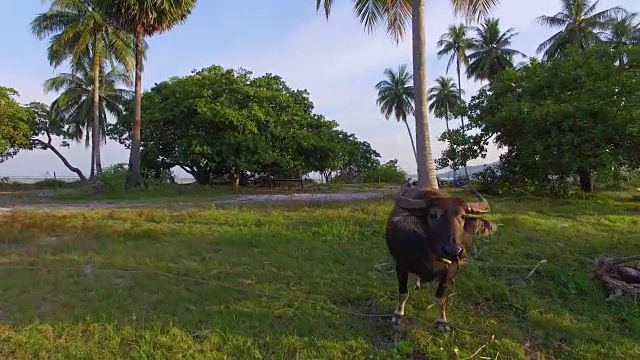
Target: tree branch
(47,146)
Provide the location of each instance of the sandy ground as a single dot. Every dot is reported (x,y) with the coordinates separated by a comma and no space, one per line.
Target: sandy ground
(240,200)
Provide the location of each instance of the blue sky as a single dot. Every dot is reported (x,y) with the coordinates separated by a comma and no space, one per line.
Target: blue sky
(337,61)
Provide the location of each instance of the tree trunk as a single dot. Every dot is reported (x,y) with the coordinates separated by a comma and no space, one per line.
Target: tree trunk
(586,180)
(446,121)
(236,179)
(92,172)
(426,166)
(459,91)
(466,173)
(95,130)
(413,144)
(134,178)
(63,159)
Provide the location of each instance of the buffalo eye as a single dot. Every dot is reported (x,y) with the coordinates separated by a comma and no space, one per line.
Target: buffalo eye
(462,217)
(433,216)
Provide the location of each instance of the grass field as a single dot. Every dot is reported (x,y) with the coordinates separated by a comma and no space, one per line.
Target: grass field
(294,281)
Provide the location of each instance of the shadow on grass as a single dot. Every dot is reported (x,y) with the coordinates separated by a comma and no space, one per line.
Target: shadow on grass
(273,278)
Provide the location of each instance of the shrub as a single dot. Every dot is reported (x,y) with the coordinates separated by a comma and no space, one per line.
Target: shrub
(507,179)
(50,184)
(388,172)
(114,176)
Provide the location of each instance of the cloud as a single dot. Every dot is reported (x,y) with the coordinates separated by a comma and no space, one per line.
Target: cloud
(336,60)
(339,63)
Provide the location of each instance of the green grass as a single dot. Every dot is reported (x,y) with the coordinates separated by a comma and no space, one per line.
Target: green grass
(283,282)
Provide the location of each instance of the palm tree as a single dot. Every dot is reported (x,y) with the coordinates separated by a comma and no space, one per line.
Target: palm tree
(455,43)
(395,15)
(395,97)
(491,51)
(623,32)
(77,30)
(580,25)
(142,18)
(74,105)
(444,97)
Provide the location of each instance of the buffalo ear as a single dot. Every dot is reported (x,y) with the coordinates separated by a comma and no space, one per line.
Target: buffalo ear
(479,227)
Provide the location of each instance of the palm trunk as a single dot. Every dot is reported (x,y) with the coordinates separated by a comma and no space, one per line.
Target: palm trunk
(95,130)
(92,172)
(426,166)
(446,121)
(460,91)
(413,144)
(134,178)
(466,173)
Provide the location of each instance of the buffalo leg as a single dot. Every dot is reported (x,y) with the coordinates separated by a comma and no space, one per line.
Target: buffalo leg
(402,274)
(441,301)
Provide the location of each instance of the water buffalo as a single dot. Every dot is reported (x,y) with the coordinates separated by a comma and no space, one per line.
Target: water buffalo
(426,234)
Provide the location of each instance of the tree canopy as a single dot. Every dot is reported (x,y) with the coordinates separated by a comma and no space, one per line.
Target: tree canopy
(15,124)
(572,114)
(219,123)
(22,127)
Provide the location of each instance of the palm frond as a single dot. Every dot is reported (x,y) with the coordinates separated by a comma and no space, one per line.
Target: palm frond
(473,10)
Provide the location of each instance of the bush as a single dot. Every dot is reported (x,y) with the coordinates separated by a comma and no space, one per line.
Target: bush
(387,173)
(51,184)
(114,176)
(507,180)
(617,179)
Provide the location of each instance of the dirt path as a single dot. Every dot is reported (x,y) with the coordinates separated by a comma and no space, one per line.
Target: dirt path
(262,199)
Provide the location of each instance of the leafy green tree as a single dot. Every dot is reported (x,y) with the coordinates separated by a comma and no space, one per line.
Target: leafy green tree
(224,124)
(491,52)
(79,31)
(445,100)
(388,172)
(395,16)
(15,124)
(461,148)
(573,114)
(395,97)
(142,18)
(22,128)
(46,124)
(354,159)
(580,26)
(74,106)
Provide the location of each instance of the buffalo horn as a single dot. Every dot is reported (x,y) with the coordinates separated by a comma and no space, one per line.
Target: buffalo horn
(404,200)
(481,207)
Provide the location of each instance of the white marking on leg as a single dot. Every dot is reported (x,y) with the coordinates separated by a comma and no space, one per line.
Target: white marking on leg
(402,300)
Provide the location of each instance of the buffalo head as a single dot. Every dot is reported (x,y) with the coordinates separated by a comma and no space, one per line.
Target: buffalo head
(445,219)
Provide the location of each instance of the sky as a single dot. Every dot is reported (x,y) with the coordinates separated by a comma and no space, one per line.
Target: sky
(337,61)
